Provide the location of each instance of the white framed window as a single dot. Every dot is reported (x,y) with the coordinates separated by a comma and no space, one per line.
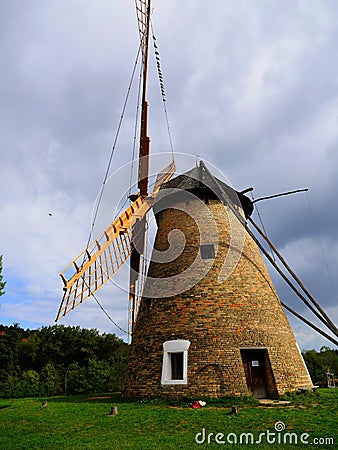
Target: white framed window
(175,362)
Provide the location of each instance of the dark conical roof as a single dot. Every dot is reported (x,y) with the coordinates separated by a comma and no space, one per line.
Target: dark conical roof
(202,183)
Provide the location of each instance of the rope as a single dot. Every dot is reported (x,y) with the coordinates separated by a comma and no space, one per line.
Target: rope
(320,313)
(322,248)
(105,312)
(112,151)
(101,307)
(113,148)
(135,130)
(162,87)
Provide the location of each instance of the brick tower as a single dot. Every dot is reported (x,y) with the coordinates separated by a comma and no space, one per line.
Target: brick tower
(210,322)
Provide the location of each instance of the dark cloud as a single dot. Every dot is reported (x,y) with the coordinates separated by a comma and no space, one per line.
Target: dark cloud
(251,87)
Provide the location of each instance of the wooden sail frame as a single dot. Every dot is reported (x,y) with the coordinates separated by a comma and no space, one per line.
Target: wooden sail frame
(125,237)
(105,255)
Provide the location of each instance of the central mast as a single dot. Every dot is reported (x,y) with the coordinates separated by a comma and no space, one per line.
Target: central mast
(139,230)
(143,11)
(125,238)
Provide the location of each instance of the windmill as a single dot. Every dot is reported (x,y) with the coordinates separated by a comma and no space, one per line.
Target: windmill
(208,320)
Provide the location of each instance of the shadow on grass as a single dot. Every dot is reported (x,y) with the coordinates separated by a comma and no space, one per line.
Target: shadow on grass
(5,406)
(89,398)
(116,398)
(324,396)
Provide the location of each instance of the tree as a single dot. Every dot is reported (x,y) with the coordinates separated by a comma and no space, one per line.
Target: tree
(29,384)
(59,360)
(319,363)
(50,380)
(9,358)
(2,283)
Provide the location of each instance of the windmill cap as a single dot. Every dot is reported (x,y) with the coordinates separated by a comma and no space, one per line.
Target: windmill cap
(200,182)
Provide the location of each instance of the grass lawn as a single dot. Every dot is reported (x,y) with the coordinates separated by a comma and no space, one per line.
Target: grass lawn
(84,422)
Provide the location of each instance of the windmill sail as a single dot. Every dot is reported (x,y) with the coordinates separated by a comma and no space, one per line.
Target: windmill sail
(143,17)
(125,237)
(87,273)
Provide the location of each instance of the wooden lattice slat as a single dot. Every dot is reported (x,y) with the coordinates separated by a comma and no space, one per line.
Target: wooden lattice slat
(87,273)
(142,8)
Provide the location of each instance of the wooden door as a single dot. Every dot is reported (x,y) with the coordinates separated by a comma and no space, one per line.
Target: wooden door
(255,371)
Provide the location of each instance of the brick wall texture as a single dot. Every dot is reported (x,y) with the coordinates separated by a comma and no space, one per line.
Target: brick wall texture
(218,316)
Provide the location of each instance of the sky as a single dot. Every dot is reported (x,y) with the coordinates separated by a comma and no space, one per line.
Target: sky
(251,88)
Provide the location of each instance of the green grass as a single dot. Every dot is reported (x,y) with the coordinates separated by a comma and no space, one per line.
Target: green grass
(84,422)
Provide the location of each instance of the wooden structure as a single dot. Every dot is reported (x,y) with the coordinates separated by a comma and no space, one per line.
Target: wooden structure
(209,322)
(220,336)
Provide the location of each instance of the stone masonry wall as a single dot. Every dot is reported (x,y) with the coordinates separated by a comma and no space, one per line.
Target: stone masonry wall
(218,317)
